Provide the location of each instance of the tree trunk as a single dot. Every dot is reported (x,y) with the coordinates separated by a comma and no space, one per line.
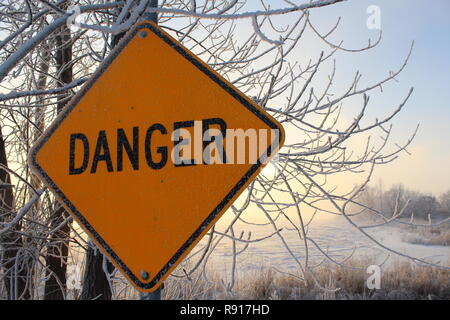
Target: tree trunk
(57,251)
(95,282)
(14,268)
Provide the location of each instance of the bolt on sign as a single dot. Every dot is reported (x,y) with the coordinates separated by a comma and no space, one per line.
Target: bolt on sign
(152,151)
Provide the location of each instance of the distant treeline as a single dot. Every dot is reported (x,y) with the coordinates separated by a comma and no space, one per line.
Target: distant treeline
(420,205)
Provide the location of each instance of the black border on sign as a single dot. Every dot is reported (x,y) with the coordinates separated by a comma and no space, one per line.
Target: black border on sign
(217,79)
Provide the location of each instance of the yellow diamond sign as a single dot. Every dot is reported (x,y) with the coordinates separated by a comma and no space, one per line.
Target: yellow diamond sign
(152,151)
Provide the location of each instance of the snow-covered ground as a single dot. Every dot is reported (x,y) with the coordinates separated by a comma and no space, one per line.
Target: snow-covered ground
(334,236)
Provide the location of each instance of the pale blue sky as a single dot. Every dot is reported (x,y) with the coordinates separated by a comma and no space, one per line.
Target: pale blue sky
(428,71)
(427,169)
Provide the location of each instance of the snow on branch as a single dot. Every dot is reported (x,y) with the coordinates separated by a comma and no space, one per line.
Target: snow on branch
(12,61)
(21,213)
(31,43)
(245,15)
(15,95)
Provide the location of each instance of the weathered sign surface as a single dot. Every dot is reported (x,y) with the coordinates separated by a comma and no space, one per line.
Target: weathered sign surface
(152,151)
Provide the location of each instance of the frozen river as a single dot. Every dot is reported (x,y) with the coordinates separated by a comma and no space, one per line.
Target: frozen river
(335,236)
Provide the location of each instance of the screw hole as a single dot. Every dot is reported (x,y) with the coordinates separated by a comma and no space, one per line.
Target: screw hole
(144,275)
